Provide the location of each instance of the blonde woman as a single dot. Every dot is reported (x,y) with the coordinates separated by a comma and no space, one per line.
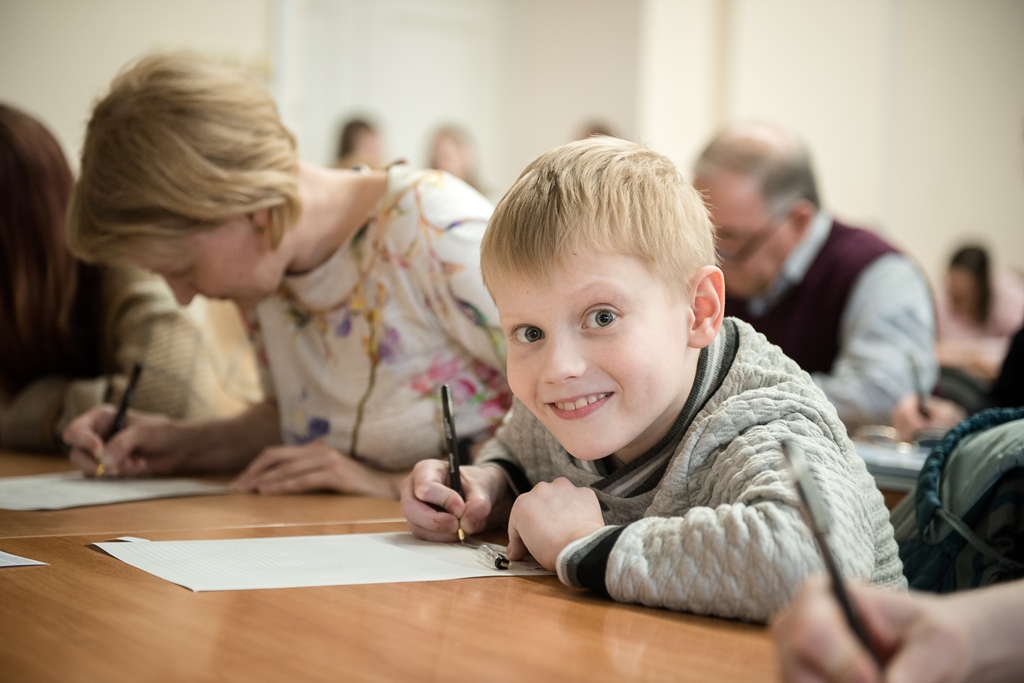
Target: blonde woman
(363,290)
(72,331)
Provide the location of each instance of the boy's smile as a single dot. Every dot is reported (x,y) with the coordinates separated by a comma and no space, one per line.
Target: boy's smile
(598,351)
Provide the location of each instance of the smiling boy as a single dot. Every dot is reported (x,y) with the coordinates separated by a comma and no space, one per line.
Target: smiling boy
(641,458)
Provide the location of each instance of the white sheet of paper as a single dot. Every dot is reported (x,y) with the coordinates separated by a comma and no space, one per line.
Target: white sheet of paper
(8,560)
(62,490)
(300,561)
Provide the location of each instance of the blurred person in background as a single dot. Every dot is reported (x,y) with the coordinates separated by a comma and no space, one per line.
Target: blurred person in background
(452,150)
(841,301)
(359,145)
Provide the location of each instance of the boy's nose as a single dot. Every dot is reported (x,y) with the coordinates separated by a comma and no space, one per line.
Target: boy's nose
(563,361)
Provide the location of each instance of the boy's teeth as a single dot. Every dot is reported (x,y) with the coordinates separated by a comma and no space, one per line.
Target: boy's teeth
(580,402)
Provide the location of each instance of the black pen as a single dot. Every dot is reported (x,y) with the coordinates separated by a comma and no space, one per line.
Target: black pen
(919,389)
(816,516)
(122,410)
(451,443)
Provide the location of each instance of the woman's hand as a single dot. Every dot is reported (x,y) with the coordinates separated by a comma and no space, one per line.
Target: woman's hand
(550,517)
(148,444)
(314,467)
(435,512)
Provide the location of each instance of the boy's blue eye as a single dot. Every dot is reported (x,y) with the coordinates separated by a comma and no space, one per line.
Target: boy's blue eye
(528,334)
(601,318)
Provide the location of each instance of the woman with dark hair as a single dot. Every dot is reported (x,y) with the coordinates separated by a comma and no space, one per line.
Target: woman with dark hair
(71,330)
(978,311)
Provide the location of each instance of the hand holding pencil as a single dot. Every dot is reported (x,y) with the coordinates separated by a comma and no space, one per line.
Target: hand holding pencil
(102,463)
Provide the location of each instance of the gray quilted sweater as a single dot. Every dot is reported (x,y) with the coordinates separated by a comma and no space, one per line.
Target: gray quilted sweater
(715,528)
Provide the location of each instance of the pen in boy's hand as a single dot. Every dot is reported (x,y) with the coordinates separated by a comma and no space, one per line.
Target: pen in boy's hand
(451,444)
(122,410)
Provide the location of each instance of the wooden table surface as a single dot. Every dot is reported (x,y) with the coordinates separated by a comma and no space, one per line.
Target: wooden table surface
(90,617)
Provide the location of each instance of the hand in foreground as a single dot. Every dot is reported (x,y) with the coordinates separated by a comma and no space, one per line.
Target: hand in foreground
(148,444)
(908,421)
(550,517)
(314,467)
(917,634)
(435,512)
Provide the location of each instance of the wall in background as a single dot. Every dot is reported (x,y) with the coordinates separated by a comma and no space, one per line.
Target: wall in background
(914,109)
(58,56)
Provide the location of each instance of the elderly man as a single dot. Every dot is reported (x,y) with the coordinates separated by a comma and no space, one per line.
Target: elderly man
(841,301)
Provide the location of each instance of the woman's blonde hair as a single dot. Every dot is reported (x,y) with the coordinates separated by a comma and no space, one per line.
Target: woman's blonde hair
(603,194)
(180,144)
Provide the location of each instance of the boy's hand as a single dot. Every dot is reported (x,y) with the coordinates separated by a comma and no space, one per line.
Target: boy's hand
(550,517)
(434,511)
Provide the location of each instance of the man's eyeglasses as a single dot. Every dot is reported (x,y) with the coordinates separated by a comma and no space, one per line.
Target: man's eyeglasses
(749,246)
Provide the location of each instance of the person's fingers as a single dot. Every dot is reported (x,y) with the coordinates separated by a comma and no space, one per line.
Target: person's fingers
(474,515)
(921,642)
(83,461)
(930,657)
(516,548)
(814,641)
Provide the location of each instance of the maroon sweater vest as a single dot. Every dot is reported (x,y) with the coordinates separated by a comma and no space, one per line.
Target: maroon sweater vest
(805,321)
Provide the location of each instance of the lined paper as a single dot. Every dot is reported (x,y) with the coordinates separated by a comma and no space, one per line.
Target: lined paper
(61,490)
(303,561)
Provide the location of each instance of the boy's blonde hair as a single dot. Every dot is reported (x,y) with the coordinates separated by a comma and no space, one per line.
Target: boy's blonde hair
(180,144)
(603,194)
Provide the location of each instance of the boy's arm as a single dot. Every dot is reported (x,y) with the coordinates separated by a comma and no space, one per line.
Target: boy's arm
(741,548)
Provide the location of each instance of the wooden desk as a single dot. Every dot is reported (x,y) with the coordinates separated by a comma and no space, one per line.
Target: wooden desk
(90,617)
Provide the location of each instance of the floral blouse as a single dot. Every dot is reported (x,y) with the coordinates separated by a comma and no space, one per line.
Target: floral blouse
(356,350)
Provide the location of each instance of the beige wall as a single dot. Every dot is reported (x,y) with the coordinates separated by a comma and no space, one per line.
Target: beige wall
(914,109)
(57,56)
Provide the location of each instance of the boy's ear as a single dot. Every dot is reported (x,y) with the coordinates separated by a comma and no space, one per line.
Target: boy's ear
(708,305)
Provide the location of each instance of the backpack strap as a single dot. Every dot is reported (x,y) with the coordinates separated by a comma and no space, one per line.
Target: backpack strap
(927,498)
(979,544)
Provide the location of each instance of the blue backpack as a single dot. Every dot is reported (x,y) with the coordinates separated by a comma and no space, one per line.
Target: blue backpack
(963,525)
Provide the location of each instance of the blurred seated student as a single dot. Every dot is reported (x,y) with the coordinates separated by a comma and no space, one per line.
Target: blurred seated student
(967,637)
(942,413)
(359,145)
(452,150)
(363,290)
(642,455)
(978,310)
(841,301)
(73,331)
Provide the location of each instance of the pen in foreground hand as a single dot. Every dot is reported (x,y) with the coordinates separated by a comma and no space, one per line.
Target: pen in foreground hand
(816,516)
(122,410)
(451,443)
